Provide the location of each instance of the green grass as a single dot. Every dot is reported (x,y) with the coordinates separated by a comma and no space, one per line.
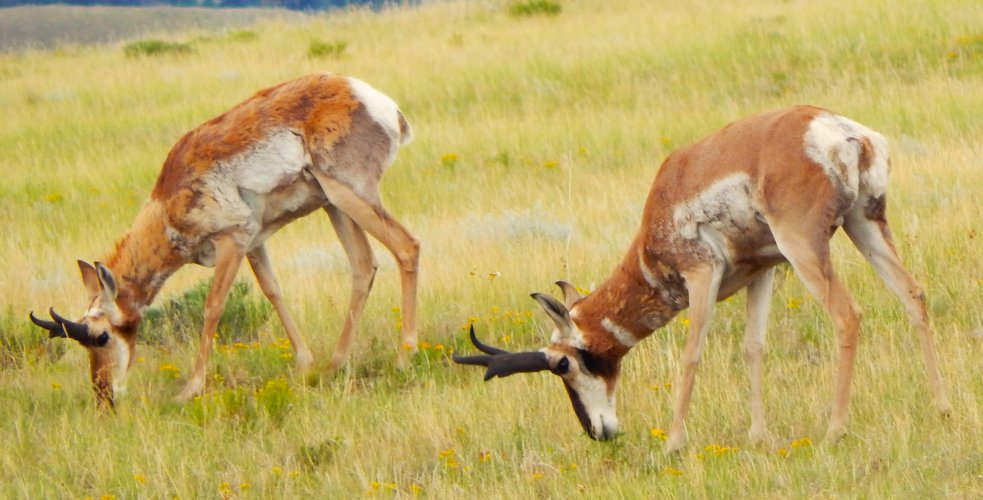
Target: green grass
(537,139)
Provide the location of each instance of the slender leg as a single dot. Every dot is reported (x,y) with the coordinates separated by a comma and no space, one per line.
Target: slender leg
(228,257)
(260,262)
(873,238)
(703,284)
(809,255)
(405,248)
(758,304)
(363,266)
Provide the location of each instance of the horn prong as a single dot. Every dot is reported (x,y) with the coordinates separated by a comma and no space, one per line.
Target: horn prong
(74,330)
(54,329)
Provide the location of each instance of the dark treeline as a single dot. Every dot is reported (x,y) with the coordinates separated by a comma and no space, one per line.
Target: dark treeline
(283,4)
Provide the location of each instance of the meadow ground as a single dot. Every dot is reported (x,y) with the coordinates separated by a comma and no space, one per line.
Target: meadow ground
(537,139)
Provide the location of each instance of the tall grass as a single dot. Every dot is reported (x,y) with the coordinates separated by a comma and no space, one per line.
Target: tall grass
(537,139)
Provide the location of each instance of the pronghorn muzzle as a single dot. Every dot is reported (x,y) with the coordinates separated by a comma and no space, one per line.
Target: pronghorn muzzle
(62,327)
(502,363)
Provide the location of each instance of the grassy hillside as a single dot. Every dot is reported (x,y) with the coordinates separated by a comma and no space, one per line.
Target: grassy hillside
(537,139)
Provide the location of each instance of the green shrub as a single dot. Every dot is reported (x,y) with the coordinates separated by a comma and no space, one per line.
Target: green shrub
(181,319)
(242,35)
(535,7)
(155,47)
(322,49)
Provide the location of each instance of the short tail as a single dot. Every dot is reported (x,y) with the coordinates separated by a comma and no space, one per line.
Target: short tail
(405,131)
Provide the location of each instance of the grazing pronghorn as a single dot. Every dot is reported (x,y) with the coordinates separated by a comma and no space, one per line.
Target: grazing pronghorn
(321,141)
(720,215)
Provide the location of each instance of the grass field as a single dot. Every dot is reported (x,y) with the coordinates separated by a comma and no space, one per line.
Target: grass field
(537,139)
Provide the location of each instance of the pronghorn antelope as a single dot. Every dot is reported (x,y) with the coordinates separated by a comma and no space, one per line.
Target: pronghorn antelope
(321,141)
(720,215)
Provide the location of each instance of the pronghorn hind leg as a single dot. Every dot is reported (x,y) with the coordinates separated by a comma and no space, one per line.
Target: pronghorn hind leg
(703,284)
(363,266)
(759,294)
(809,256)
(259,261)
(873,239)
(374,219)
(228,257)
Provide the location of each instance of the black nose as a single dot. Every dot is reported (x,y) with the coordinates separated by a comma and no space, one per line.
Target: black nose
(607,433)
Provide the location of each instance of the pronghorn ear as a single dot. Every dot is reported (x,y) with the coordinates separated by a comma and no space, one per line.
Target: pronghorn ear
(90,277)
(570,294)
(107,282)
(556,311)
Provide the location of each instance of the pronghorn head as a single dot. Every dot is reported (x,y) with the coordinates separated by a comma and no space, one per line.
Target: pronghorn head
(590,378)
(104,331)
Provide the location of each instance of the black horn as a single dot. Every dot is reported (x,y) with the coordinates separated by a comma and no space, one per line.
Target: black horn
(501,363)
(54,329)
(76,331)
(487,349)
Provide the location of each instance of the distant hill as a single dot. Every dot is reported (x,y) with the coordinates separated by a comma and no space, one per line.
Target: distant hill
(47,26)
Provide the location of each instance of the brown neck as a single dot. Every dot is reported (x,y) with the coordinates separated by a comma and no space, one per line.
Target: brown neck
(627,303)
(142,260)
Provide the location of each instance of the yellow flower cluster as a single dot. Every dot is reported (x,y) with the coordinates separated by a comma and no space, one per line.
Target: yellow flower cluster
(449,458)
(170,370)
(715,450)
(801,443)
(658,433)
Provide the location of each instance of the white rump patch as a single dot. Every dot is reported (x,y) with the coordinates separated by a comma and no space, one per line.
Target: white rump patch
(382,109)
(834,142)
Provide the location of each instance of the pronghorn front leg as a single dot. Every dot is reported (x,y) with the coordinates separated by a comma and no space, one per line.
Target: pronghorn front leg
(758,303)
(260,262)
(703,284)
(228,257)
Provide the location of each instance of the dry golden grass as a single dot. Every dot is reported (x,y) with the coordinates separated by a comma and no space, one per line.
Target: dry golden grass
(537,139)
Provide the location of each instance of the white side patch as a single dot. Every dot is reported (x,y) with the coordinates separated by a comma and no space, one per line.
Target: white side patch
(726,199)
(382,109)
(624,336)
(269,162)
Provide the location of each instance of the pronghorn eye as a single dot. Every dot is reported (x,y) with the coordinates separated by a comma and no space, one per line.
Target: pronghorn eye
(562,366)
(102,339)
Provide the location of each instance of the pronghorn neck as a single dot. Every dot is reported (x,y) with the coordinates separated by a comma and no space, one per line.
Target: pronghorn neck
(142,260)
(639,297)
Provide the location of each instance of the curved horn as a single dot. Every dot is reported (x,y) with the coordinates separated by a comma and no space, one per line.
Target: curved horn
(54,329)
(487,349)
(76,331)
(501,363)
